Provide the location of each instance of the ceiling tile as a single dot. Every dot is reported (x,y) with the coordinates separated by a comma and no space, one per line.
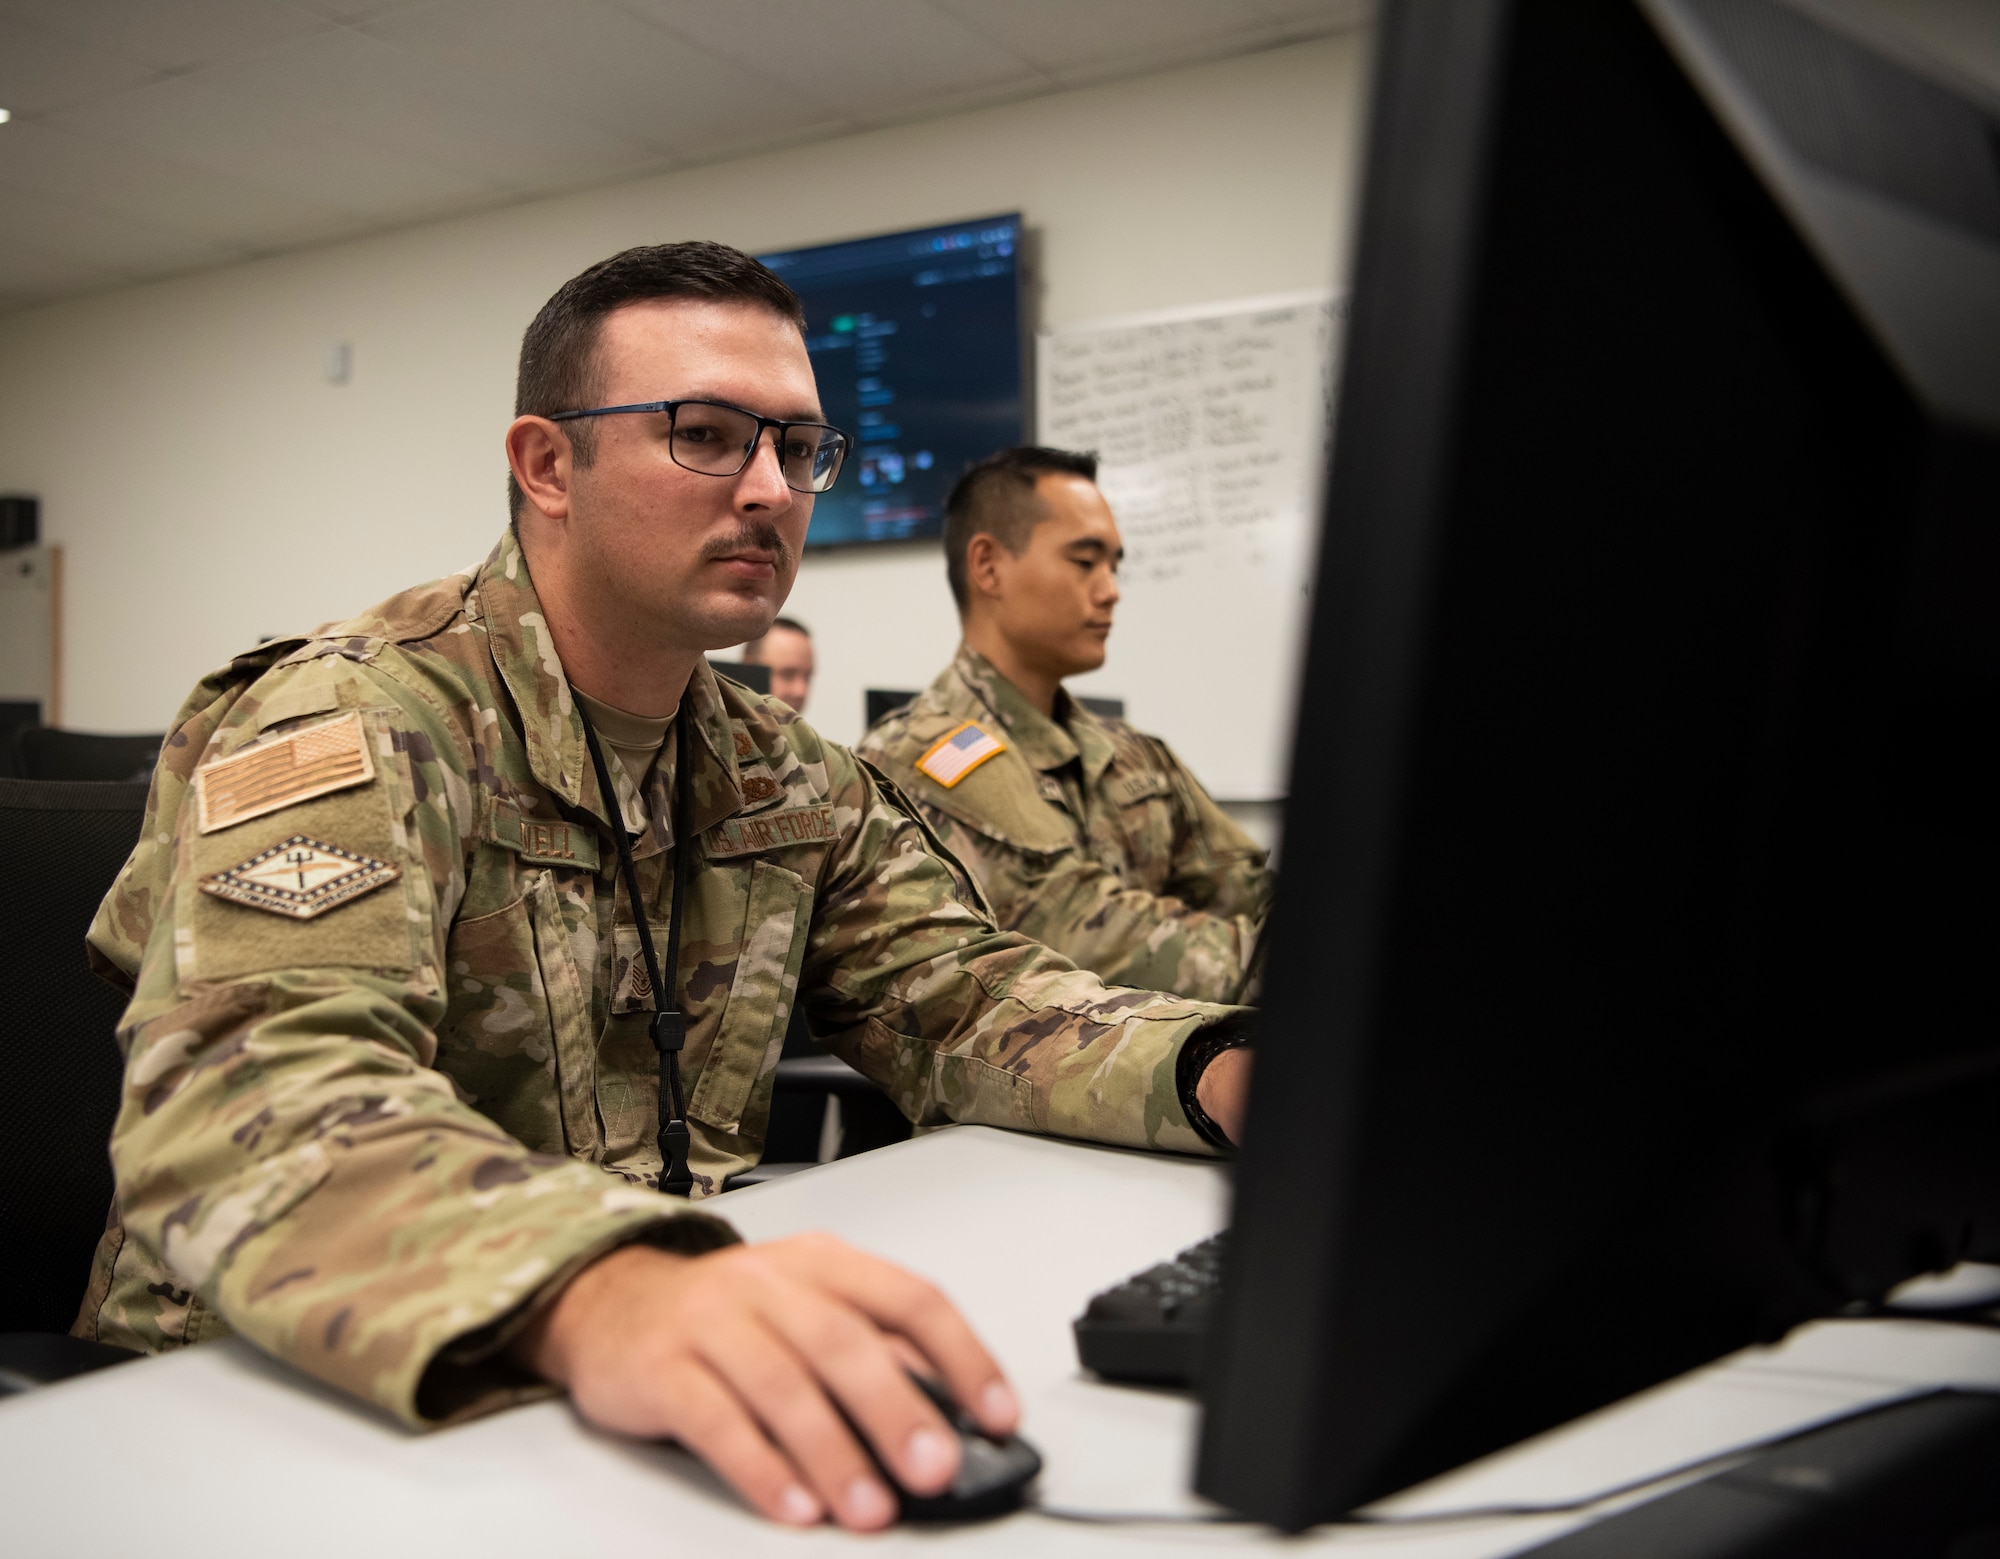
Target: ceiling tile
(1331,15)
(39,71)
(147,187)
(358,10)
(351,123)
(98,240)
(151,135)
(1069,40)
(867,60)
(29,275)
(171,37)
(593,64)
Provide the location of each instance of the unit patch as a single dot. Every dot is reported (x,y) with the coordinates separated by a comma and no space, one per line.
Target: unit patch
(308,763)
(772,831)
(958,752)
(300,878)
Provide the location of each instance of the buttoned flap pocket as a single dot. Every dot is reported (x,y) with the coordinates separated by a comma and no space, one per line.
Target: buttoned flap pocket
(1146,819)
(518,1020)
(770,949)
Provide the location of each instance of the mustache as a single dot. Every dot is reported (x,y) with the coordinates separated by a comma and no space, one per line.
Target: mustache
(761,535)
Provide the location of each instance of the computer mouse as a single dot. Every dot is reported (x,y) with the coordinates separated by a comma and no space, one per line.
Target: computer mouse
(993,1475)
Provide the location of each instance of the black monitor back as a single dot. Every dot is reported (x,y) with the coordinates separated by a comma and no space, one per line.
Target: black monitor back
(1627,996)
(755,677)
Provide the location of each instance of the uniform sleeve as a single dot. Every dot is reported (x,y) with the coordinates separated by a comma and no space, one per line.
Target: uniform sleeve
(962,1021)
(1125,935)
(284,1145)
(1217,867)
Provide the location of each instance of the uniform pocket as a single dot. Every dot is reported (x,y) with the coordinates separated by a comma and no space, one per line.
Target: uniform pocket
(517,1023)
(771,949)
(569,1018)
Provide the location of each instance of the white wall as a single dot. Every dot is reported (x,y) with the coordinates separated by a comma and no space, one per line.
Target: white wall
(210,486)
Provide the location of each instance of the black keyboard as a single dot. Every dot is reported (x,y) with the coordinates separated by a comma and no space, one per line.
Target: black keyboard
(1151,1326)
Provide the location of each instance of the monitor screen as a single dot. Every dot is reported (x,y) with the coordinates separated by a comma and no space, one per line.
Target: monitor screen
(916,340)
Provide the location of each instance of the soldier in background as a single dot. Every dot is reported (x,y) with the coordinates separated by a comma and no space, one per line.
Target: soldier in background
(1084,833)
(457,928)
(788,650)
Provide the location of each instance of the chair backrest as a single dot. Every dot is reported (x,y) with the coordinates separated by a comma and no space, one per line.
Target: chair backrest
(47,753)
(16,715)
(61,846)
(878,703)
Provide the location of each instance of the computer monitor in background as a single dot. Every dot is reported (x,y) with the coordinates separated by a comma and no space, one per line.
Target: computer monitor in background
(753,676)
(1630,992)
(915,339)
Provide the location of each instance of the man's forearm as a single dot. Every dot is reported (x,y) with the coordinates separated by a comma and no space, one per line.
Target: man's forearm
(282,1153)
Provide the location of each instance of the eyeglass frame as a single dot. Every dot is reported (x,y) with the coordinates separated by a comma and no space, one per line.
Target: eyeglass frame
(749,453)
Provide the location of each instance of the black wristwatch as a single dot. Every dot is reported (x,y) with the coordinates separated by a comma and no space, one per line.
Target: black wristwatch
(1232,1033)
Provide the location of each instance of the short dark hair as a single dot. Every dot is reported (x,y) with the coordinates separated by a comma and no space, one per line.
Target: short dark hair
(559,368)
(776,623)
(997,498)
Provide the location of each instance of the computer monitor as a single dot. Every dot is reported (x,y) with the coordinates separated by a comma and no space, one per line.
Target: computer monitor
(915,339)
(753,676)
(1629,995)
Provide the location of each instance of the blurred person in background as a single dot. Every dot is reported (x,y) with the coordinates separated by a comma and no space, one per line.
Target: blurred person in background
(788,650)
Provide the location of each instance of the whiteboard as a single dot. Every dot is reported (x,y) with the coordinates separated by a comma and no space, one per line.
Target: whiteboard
(1210,427)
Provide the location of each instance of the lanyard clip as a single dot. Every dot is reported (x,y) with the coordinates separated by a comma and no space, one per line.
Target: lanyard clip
(669,1029)
(675,1177)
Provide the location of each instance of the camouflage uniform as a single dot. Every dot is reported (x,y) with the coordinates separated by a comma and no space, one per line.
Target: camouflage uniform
(1085,834)
(369,1139)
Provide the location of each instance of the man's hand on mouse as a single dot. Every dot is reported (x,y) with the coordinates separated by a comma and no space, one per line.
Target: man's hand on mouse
(742,1355)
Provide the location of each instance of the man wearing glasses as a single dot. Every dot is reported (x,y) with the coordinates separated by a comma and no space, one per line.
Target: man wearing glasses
(407,1077)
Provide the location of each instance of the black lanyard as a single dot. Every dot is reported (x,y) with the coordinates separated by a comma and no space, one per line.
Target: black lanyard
(669,1025)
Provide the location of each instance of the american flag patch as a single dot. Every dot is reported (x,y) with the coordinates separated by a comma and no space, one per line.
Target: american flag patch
(957,753)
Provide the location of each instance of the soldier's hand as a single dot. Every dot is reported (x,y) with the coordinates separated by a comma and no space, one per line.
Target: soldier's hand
(1223,1090)
(742,1355)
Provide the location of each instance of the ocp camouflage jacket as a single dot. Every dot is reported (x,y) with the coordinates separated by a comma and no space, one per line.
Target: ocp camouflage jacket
(388,1079)
(1085,834)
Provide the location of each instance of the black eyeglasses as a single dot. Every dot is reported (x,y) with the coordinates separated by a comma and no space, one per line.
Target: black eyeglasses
(718,439)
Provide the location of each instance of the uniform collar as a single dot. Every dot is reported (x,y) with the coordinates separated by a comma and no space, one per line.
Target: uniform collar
(1075,734)
(524,655)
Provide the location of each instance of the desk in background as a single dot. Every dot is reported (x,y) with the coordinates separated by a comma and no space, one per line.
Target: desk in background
(219,1452)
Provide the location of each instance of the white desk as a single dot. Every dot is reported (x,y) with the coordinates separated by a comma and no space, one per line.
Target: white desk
(220,1452)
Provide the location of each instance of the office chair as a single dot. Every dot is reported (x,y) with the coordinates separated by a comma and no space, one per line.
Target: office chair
(61,845)
(47,753)
(15,716)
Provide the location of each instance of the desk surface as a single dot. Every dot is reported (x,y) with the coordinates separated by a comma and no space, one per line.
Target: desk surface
(218,1451)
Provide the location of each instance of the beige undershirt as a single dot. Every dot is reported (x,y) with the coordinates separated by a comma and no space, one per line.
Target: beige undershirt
(634,740)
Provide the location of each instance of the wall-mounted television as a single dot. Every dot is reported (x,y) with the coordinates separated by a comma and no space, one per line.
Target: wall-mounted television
(916,340)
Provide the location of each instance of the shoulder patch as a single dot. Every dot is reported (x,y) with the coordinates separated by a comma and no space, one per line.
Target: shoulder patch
(958,752)
(300,878)
(313,762)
